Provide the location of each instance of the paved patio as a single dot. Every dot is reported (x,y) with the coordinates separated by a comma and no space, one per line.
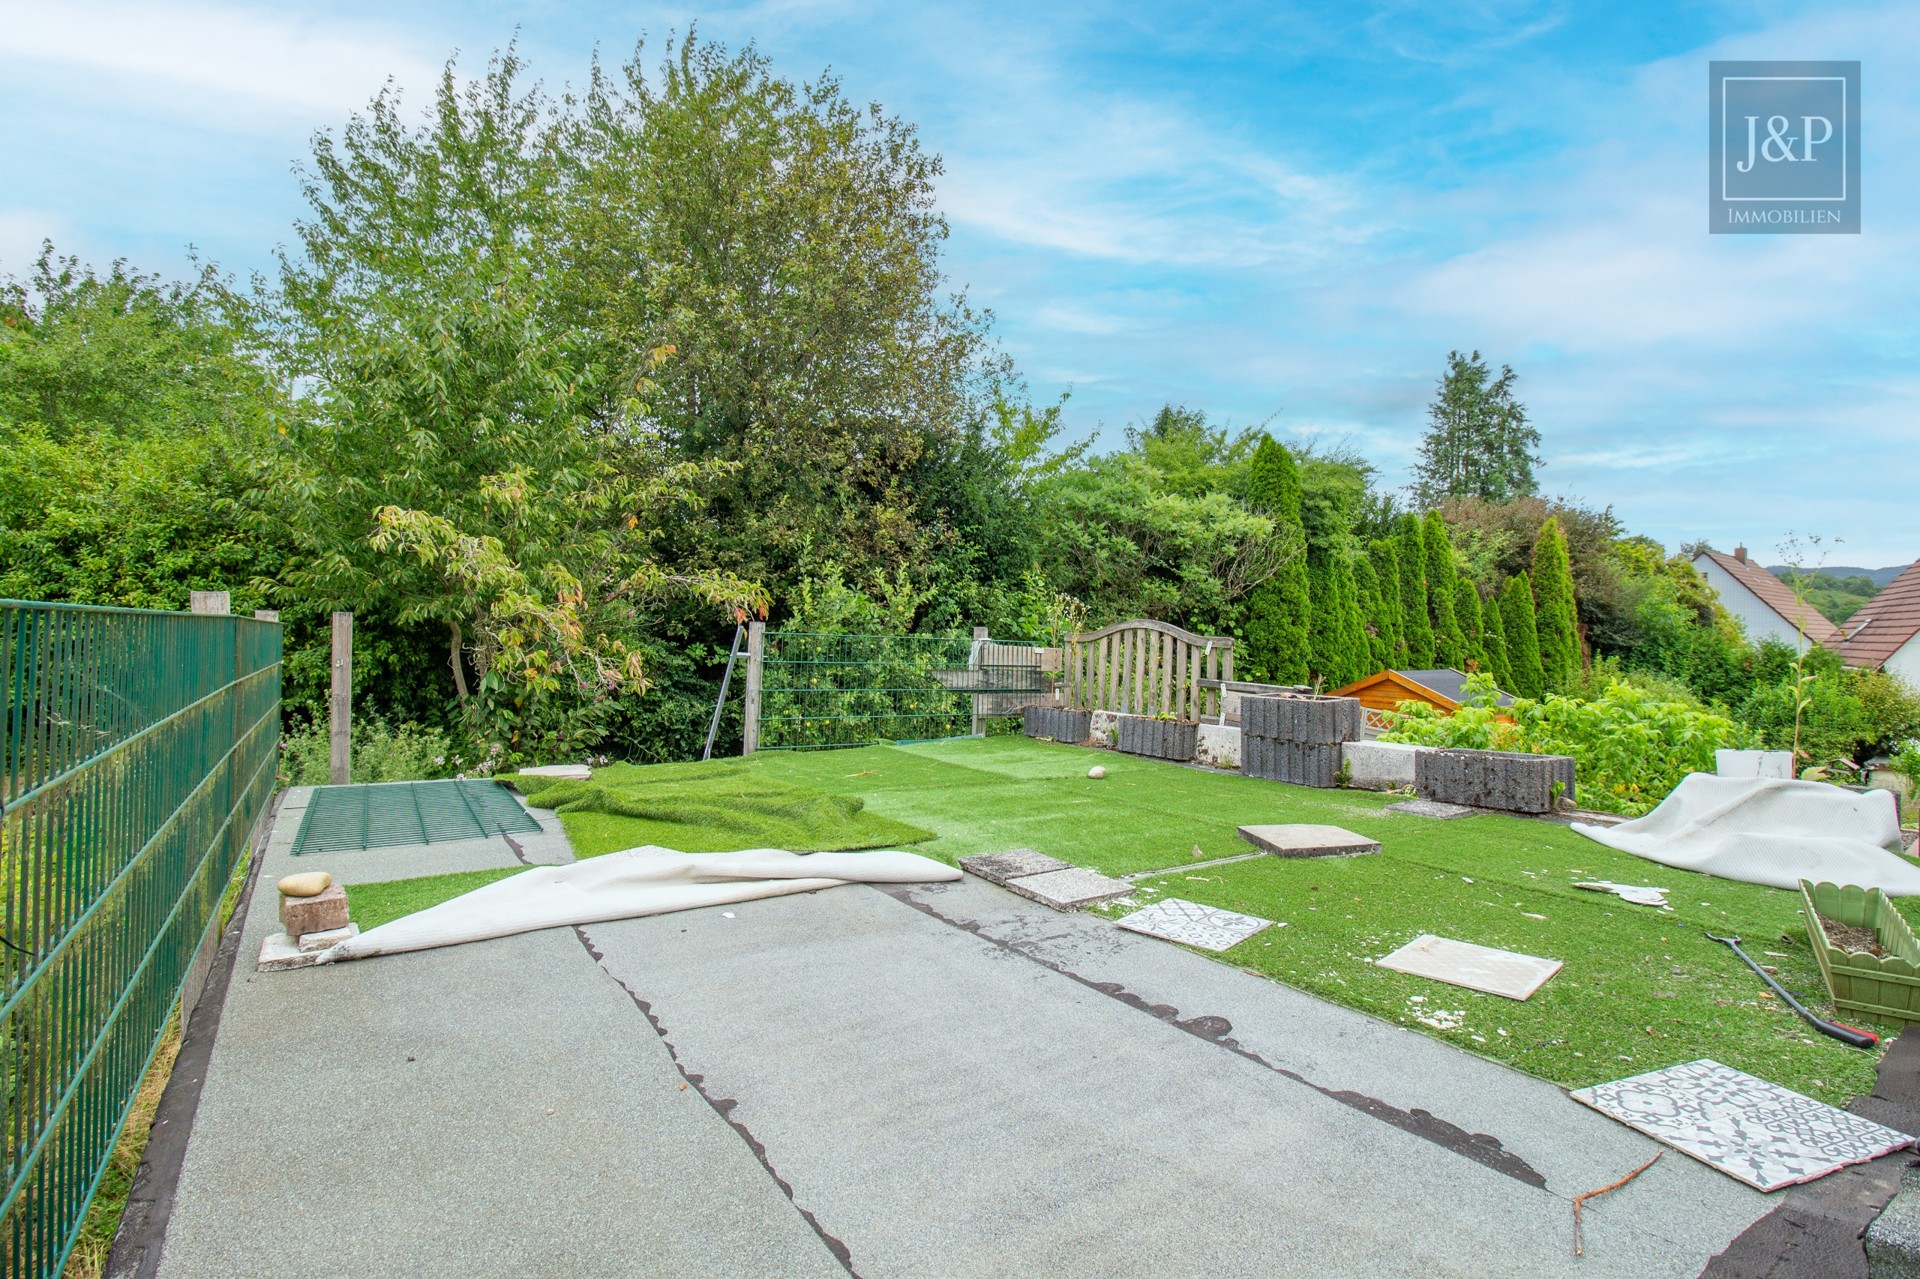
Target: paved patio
(937,1080)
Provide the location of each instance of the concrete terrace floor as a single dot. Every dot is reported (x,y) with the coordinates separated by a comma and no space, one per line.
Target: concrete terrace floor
(935,1080)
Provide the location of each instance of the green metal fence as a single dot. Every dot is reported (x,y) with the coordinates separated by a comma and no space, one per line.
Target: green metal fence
(136,752)
(821,691)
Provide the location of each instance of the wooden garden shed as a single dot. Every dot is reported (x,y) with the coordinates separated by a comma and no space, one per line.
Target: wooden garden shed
(1380,693)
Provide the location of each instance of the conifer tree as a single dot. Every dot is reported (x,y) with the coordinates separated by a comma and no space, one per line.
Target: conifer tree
(1523,643)
(1494,633)
(1373,615)
(1553,607)
(1416,625)
(1449,647)
(1327,660)
(1478,441)
(1388,621)
(1356,659)
(1276,644)
(1466,607)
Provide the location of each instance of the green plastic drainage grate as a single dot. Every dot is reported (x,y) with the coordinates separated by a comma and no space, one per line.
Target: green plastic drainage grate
(348,818)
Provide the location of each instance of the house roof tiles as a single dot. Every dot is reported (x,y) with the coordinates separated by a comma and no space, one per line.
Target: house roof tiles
(1779,597)
(1885,622)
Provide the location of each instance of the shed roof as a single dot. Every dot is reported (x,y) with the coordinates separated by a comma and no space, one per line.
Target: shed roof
(1885,622)
(1445,684)
(1779,597)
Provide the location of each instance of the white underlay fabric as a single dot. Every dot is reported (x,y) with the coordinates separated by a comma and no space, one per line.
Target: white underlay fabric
(626,885)
(1771,831)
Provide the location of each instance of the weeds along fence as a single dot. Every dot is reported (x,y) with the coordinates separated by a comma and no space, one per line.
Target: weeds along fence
(1147,668)
(822,691)
(136,753)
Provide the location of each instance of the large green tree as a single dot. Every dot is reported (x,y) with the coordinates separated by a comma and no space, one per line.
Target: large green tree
(1479,443)
(1554,607)
(1278,635)
(1373,611)
(1466,608)
(1518,627)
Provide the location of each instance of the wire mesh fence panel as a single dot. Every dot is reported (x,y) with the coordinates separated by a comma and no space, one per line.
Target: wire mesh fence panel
(136,751)
(820,691)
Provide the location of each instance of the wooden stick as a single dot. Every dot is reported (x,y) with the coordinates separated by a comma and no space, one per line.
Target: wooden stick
(1579,1200)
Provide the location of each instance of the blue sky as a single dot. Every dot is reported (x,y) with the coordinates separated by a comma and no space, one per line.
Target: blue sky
(1281,214)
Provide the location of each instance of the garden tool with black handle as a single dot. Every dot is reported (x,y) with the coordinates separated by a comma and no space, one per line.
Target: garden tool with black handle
(1849,1035)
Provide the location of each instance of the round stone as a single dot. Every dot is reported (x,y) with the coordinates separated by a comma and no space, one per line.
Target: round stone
(1097,771)
(306,884)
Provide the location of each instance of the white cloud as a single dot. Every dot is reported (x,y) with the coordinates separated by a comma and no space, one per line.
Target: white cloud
(21,232)
(216,60)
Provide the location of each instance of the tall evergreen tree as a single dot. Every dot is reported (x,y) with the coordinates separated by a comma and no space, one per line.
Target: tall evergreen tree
(1523,643)
(1553,607)
(1449,646)
(1495,635)
(1416,625)
(1356,658)
(1466,607)
(1372,614)
(1327,658)
(1478,441)
(1391,617)
(1276,642)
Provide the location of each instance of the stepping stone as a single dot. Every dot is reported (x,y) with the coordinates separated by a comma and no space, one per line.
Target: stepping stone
(560,772)
(1015,863)
(1192,924)
(1430,808)
(1303,840)
(1462,963)
(1069,889)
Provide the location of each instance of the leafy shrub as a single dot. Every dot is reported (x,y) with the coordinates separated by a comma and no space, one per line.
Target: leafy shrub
(1631,745)
(382,752)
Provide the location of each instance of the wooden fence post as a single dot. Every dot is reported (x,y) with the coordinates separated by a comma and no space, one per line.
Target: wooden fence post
(750,712)
(216,602)
(340,738)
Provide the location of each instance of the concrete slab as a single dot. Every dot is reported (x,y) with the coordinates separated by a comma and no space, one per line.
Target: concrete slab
(1193,924)
(994,1112)
(1304,839)
(1429,808)
(497,1109)
(1069,889)
(998,868)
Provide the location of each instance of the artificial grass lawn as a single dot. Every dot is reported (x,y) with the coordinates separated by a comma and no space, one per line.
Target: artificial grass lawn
(1641,988)
(377,904)
(715,807)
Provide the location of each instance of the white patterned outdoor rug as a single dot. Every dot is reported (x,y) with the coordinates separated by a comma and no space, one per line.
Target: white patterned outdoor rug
(1757,1132)
(1191,924)
(1461,963)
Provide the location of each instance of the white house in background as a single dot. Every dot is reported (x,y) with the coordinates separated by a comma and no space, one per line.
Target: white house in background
(1763,603)
(1885,633)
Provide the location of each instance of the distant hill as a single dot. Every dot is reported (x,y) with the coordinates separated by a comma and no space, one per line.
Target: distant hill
(1878,576)
(1839,593)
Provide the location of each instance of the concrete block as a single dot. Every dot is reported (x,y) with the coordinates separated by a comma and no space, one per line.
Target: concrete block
(1057,723)
(1753,763)
(1069,889)
(1100,727)
(1301,719)
(279,952)
(1217,746)
(1015,863)
(313,942)
(1893,1240)
(1174,739)
(303,915)
(1379,765)
(1429,808)
(1307,840)
(1297,763)
(1510,781)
